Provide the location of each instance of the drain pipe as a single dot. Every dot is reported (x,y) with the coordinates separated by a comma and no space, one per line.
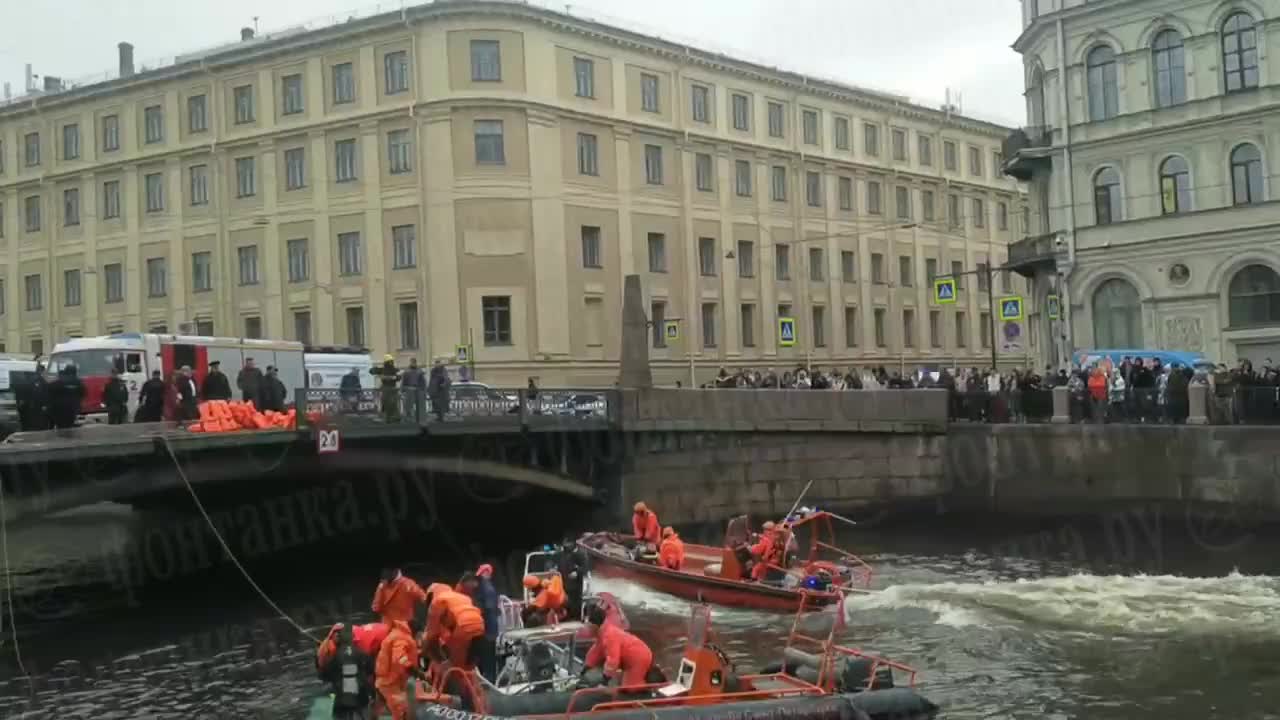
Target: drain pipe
(1066,313)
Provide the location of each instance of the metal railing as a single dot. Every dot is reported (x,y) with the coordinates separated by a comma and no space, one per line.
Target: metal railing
(1237,405)
(1025,138)
(1036,248)
(471,405)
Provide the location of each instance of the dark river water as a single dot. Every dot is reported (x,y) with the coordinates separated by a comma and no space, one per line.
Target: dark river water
(1129,617)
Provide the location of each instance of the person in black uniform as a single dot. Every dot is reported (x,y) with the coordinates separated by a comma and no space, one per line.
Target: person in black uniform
(274,392)
(185,384)
(151,400)
(572,565)
(116,397)
(65,394)
(216,384)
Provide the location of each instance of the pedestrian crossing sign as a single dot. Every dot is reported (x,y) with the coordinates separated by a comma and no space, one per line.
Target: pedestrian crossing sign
(671,330)
(462,353)
(786,331)
(1011,308)
(1052,305)
(944,291)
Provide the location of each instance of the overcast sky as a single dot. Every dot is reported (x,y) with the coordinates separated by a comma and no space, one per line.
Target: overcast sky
(918,48)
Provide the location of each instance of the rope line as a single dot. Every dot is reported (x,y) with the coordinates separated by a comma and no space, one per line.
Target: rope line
(8,578)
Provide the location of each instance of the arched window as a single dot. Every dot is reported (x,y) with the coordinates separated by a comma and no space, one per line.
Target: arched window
(1171,69)
(1035,98)
(1246,174)
(1106,196)
(1254,297)
(1240,52)
(1117,315)
(1175,185)
(1104,97)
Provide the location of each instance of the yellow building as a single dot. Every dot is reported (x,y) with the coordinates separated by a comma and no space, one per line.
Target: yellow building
(491,171)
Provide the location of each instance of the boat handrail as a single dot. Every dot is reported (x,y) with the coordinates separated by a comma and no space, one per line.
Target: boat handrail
(876,662)
(799,688)
(864,569)
(479,700)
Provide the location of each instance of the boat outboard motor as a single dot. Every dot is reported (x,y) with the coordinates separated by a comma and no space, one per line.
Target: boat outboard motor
(541,666)
(819,580)
(350,678)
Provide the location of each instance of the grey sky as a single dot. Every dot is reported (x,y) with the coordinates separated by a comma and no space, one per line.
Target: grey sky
(914,47)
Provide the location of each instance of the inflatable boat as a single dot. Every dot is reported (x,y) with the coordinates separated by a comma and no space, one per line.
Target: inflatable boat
(723,575)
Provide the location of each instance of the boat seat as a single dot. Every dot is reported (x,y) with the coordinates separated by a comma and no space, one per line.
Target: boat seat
(712,569)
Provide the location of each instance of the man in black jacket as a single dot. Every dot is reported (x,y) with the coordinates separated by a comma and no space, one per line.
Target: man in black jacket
(250,382)
(216,384)
(116,397)
(151,400)
(185,384)
(65,394)
(274,392)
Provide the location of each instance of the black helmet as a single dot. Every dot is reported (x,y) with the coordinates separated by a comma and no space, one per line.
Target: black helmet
(596,615)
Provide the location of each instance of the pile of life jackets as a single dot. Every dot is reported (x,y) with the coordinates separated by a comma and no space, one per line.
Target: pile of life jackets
(235,415)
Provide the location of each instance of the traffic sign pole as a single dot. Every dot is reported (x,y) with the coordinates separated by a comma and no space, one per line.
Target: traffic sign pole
(992,315)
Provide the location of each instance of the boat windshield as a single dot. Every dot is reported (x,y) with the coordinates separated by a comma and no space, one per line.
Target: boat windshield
(699,626)
(738,532)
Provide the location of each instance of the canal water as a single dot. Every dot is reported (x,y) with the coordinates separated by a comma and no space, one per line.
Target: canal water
(1129,617)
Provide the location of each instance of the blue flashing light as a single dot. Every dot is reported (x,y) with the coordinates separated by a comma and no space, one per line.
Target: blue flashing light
(547,548)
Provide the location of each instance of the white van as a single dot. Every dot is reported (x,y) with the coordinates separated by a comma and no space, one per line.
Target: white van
(326,366)
(16,376)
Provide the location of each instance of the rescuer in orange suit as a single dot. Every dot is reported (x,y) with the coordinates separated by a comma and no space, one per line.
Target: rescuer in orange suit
(454,622)
(618,650)
(365,638)
(550,603)
(397,597)
(671,552)
(645,524)
(397,660)
(345,648)
(765,552)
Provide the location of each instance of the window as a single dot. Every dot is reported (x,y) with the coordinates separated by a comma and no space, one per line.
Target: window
(1170,69)
(900,145)
(979,213)
(1106,196)
(847,267)
(741,112)
(844,188)
(997,162)
(707,256)
(584,77)
(1117,314)
(902,202)
(1104,97)
(113,279)
(1240,52)
(776,126)
(984,330)
(746,259)
(110,133)
(747,322)
(204,328)
(1006,281)
(957,273)
(1002,215)
(71,288)
(702,172)
(778,183)
(784,310)
(395,71)
(813,189)
(930,269)
(657,252)
(253,327)
(742,177)
(344,84)
(877,268)
(871,139)
(157,277)
(71,207)
(295,169)
(962,327)
(344,160)
(649,96)
(1,157)
(350,254)
(949,159)
(1246,174)
(708,325)
(817,261)
(32,144)
(244,177)
(248,261)
(908,328)
(299,262)
(153,124)
(658,317)
(984,276)
(155,192)
(201,271)
(1254,297)
(1,219)
(926,205)
(809,119)
(291,94)
(404,247)
(1175,185)
(701,103)
(588,155)
(496,311)
(32,213)
(904,271)
(198,175)
(953,211)
(355,326)
(243,96)
(782,261)
(924,149)
(399,157)
(653,164)
(850,326)
(873,197)
(591,247)
(819,315)
(70,141)
(842,133)
(302,326)
(879,318)
(34,291)
(409,326)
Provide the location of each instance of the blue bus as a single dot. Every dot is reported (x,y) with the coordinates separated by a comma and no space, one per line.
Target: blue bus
(1194,360)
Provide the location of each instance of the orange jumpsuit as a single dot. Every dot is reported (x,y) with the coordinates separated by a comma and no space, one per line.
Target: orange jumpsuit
(765,552)
(671,553)
(620,650)
(551,597)
(396,661)
(367,638)
(455,621)
(646,527)
(395,601)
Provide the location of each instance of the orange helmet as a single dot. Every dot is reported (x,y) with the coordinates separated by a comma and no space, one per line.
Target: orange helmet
(668,531)
(532,582)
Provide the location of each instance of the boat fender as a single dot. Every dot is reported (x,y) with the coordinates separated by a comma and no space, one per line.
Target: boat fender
(893,703)
(712,569)
(852,673)
(830,707)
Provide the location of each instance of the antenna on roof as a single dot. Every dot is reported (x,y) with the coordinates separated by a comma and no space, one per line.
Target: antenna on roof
(255,24)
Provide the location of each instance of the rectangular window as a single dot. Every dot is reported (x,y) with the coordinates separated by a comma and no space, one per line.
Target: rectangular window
(395,72)
(747,323)
(975,162)
(979,213)
(879,318)
(245,181)
(746,259)
(877,268)
(486,61)
(935,328)
(873,197)
(813,189)
(984,329)
(931,269)
(243,97)
(253,327)
(905,276)
(110,133)
(404,247)
(32,213)
(778,183)
(658,317)
(409,326)
(154,183)
(701,103)
(653,164)
(900,145)
(302,326)
(113,282)
(355,326)
(1002,215)
(742,176)
(588,155)
(344,84)
(295,169)
(902,202)
(949,155)
(1,157)
(71,288)
(871,139)
(350,254)
(847,267)
(782,261)
(926,202)
(344,160)
(591,247)
(291,95)
(198,175)
(962,335)
(657,252)
(817,263)
(953,211)
(34,291)
(201,271)
(707,256)
(776,126)
(496,310)
(819,314)
(247,256)
(997,162)
(850,326)
(842,133)
(984,277)
(908,328)
(70,141)
(809,119)
(1006,281)
(299,262)
(784,310)
(708,325)
(702,172)
(846,193)
(399,152)
(924,149)
(649,94)
(204,328)
(741,112)
(1,219)
(32,145)
(957,272)
(153,124)
(71,207)
(584,77)
(489,145)
(157,277)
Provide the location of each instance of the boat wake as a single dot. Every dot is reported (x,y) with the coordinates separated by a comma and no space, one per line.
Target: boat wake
(1140,605)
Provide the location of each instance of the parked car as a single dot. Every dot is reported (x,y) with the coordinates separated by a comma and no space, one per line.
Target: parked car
(584,405)
(473,398)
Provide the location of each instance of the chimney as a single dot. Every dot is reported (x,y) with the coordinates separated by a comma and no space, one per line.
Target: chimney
(30,78)
(246,33)
(126,59)
(52,84)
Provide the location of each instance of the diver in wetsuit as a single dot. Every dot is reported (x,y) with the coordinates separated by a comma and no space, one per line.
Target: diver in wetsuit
(572,565)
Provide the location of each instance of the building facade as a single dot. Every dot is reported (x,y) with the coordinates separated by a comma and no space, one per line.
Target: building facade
(1150,153)
(488,173)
